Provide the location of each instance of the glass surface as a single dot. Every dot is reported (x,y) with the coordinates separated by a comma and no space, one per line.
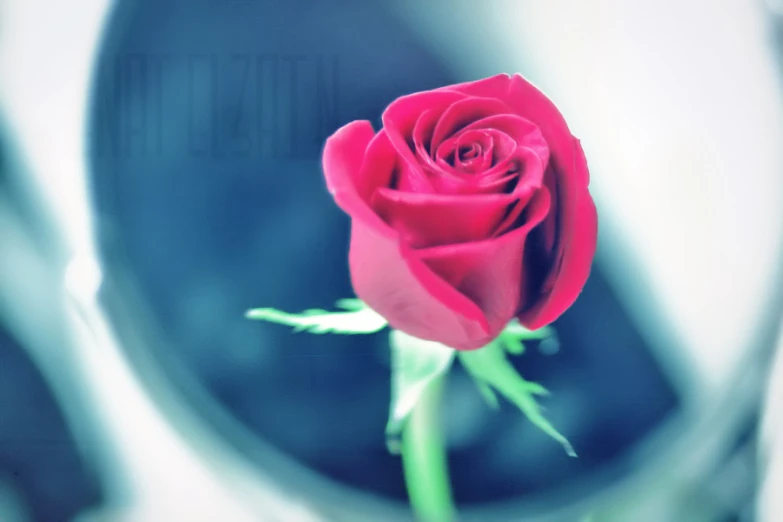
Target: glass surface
(208,122)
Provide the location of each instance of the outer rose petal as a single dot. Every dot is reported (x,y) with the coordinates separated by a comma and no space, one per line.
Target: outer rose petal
(344,154)
(385,274)
(399,286)
(578,239)
(491,271)
(378,167)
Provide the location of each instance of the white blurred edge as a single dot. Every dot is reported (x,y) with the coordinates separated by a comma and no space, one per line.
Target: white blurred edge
(770,505)
(151,470)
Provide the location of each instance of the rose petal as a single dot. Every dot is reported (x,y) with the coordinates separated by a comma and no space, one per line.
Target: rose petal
(462,113)
(497,179)
(526,101)
(378,166)
(426,220)
(521,131)
(446,181)
(344,154)
(549,228)
(447,155)
(399,286)
(412,178)
(399,120)
(577,245)
(385,274)
(422,136)
(422,133)
(531,104)
(503,151)
(575,217)
(518,129)
(490,272)
(522,168)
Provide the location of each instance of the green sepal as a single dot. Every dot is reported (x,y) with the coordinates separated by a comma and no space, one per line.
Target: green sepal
(513,335)
(415,364)
(492,372)
(489,395)
(355,318)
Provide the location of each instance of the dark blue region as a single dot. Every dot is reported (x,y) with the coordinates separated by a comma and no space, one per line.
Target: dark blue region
(205,151)
(38,457)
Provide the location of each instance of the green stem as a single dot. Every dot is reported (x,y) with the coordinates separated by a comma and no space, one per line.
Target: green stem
(424,459)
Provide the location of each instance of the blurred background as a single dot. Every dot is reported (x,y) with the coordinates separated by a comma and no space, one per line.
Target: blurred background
(160,174)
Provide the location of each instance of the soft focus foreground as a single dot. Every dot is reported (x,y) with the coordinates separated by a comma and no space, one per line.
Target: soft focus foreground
(133,389)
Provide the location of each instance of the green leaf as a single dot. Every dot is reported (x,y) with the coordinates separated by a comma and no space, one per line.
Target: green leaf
(357,318)
(489,395)
(415,364)
(489,368)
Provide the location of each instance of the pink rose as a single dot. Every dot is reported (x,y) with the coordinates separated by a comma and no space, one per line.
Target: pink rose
(469,207)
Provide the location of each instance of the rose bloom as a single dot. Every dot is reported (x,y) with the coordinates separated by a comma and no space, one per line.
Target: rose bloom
(470,207)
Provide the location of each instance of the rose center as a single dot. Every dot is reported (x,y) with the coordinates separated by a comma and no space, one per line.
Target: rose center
(469,152)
